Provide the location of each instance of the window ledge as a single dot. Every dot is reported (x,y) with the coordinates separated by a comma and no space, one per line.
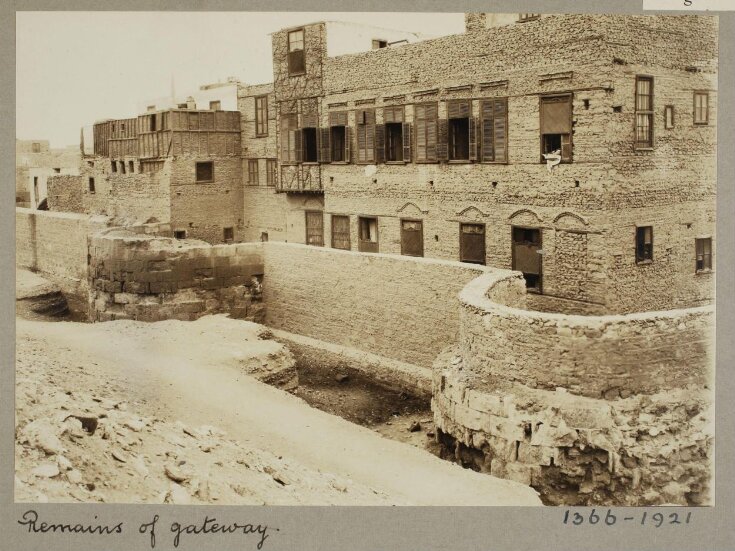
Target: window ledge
(396,162)
(339,163)
(204,182)
(643,149)
(706,271)
(310,163)
(459,161)
(643,262)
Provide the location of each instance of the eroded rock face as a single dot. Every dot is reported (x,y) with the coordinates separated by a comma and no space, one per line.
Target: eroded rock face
(640,450)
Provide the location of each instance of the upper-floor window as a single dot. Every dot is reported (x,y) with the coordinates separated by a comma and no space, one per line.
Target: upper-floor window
(462,142)
(290,150)
(556,126)
(644,112)
(36,147)
(253,172)
(701,108)
(425,122)
(261,116)
(397,136)
(377,44)
(215,105)
(494,123)
(528,16)
(339,137)
(205,171)
(296,61)
(271,173)
(644,244)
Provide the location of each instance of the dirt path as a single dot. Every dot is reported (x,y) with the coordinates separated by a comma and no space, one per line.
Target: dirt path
(172,374)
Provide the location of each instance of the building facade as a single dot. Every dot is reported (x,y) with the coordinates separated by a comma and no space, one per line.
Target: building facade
(590,167)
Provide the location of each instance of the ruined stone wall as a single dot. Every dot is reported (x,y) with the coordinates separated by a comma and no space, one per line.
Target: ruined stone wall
(587,409)
(131,198)
(204,209)
(150,278)
(66,193)
(399,307)
(55,244)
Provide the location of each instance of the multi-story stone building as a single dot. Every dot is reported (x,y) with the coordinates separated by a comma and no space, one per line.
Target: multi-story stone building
(35,162)
(577,149)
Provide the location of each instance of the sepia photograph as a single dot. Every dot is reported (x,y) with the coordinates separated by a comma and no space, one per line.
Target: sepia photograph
(347,258)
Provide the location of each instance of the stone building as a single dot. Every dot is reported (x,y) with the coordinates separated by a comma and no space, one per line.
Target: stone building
(35,162)
(179,165)
(577,149)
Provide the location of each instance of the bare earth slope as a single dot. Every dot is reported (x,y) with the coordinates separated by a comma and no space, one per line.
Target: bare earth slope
(180,421)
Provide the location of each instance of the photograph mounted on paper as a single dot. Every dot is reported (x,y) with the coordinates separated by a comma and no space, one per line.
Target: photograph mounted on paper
(366,258)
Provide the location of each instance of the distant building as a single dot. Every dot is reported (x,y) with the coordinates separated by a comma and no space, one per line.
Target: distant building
(35,162)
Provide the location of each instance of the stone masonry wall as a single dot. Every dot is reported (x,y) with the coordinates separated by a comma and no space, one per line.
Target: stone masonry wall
(587,409)
(398,307)
(55,244)
(65,193)
(151,278)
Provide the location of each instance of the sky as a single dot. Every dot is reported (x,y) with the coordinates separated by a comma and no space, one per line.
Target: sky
(73,68)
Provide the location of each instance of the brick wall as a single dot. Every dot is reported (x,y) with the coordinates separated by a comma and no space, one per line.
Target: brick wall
(151,278)
(399,307)
(55,244)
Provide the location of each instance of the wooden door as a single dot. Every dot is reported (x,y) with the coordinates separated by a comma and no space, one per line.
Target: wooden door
(314,228)
(472,243)
(527,255)
(412,237)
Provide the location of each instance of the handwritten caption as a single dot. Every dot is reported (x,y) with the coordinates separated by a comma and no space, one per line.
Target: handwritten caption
(608,517)
(259,533)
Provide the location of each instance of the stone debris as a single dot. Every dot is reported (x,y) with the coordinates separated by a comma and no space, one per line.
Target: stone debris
(46,470)
(414,427)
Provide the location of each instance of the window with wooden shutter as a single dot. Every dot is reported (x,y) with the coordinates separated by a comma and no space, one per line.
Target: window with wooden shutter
(460,131)
(425,125)
(341,232)
(253,172)
(261,116)
(289,130)
(339,137)
(314,228)
(271,172)
(644,244)
(365,133)
(380,145)
(296,59)
(494,133)
(556,126)
(395,137)
(325,153)
(643,112)
(703,252)
(701,108)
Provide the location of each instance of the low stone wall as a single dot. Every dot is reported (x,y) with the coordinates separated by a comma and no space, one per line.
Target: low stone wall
(403,308)
(65,193)
(55,244)
(587,409)
(148,277)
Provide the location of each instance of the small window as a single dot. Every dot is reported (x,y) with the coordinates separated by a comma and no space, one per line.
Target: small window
(309,145)
(523,17)
(271,172)
(57,170)
(36,147)
(556,127)
(644,112)
(341,232)
(122,167)
(296,61)
(215,105)
(205,171)
(459,115)
(180,234)
(368,235)
(644,244)
(131,167)
(314,228)
(253,179)
(703,251)
(261,116)
(701,108)
(669,117)
(228,234)
(152,123)
(91,185)
(378,44)
(113,165)
(264,237)
(151,108)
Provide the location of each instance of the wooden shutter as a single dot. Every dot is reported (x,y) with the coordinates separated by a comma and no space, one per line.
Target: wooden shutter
(556,115)
(406,142)
(348,138)
(458,109)
(325,152)
(442,142)
(361,134)
(488,129)
(298,144)
(379,143)
(500,130)
(566,147)
(420,122)
(473,138)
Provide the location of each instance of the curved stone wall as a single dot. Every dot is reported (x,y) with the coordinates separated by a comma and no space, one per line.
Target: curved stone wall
(587,409)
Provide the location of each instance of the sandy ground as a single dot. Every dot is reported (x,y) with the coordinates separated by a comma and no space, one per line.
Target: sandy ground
(179,420)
